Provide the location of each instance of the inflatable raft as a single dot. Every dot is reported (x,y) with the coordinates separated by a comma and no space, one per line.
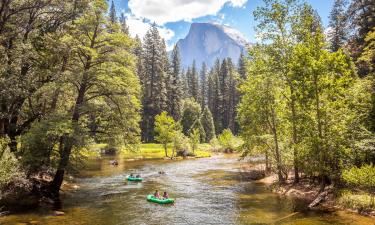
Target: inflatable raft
(129,178)
(151,198)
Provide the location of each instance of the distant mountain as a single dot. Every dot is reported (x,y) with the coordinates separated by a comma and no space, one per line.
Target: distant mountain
(206,42)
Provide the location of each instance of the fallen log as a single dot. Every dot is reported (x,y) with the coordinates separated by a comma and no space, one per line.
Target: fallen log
(320,198)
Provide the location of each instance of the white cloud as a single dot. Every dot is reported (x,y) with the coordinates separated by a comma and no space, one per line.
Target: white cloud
(138,26)
(238,3)
(163,11)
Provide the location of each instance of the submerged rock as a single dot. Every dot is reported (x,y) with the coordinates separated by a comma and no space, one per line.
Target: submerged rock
(4,213)
(113,162)
(58,213)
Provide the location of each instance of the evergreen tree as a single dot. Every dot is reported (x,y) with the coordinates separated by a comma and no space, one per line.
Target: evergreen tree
(338,25)
(193,82)
(154,74)
(224,99)
(191,114)
(188,83)
(174,85)
(203,85)
(216,98)
(124,25)
(233,97)
(184,84)
(112,13)
(138,52)
(362,20)
(242,67)
(207,122)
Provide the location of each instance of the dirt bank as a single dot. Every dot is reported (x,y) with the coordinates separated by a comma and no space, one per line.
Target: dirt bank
(326,199)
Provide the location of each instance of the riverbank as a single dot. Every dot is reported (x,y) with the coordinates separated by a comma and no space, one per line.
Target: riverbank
(328,199)
(146,151)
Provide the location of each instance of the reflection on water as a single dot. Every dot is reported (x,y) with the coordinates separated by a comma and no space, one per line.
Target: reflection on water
(207,191)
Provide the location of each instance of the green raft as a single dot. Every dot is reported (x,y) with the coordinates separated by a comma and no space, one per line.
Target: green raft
(129,178)
(151,198)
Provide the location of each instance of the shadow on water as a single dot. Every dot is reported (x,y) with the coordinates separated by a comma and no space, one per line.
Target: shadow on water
(207,191)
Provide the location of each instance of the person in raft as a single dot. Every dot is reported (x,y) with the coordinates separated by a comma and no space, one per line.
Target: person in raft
(131,175)
(165,195)
(138,176)
(156,194)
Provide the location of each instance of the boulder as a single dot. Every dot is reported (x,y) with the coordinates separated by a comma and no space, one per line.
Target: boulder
(256,174)
(19,195)
(183,153)
(58,213)
(113,162)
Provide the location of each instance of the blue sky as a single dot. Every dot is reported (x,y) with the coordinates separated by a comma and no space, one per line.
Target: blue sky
(175,16)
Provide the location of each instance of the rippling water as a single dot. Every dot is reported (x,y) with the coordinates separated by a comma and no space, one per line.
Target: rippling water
(207,191)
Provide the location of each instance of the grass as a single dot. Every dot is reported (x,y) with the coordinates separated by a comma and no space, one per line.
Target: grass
(156,151)
(146,151)
(356,200)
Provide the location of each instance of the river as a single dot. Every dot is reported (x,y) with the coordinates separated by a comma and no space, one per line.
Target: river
(207,191)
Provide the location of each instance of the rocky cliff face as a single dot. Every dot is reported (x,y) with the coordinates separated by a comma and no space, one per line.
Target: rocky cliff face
(206,42)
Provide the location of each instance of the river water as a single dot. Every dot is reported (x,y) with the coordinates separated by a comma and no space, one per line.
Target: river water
(207,191)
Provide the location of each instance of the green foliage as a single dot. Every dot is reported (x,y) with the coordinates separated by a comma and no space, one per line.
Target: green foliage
(38,147)
(166,129)
(360,201)
(227,140)
(215,144)
(194,139)
(10,167)
(191,113)
(302,105)
(207,122)
(180,142)
(154,77)
(362,177)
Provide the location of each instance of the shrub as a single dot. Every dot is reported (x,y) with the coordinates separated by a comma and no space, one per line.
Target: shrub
(227,140)
(10,167)
(363,177)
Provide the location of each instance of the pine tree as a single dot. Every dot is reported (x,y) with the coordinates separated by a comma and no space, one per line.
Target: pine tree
(216,98)
(242,67)
(203,85)
(233,96)
(362,20)
(124,25)
(155,68)
(224,76)
(193,80)
(112,13)
(207,122)
(138,52)
(174,89)
(188,83)
(184,84)
(338,25)
(362,17)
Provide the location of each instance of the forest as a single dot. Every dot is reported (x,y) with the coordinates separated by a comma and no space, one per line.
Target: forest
(302,97)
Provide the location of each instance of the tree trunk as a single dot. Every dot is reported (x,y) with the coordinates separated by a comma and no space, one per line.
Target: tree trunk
(68,144)
(267,162)
(166,150)
(322,157)
(295,137)
(277,151)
